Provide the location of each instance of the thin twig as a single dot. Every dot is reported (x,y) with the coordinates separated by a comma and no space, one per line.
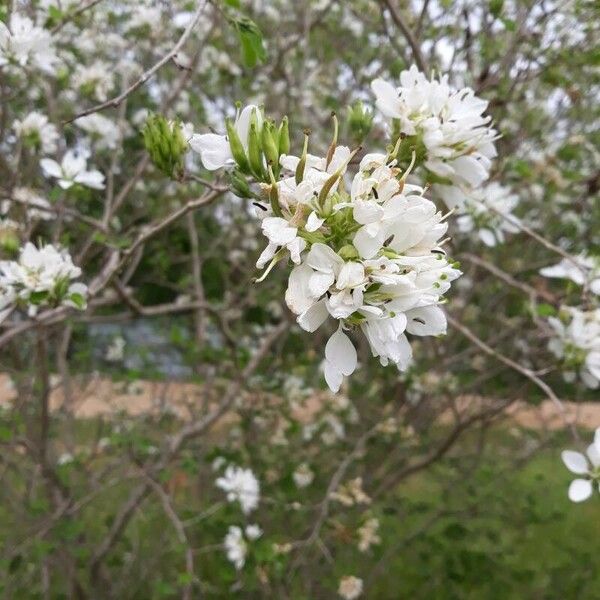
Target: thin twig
(114,102)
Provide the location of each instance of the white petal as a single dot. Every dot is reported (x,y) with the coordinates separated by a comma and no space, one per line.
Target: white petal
(580,490)
(51,168)
(92,179)
(323,258)
(351,275)
(386,98)
(594,455)
(333,376)
(297,295)
(428,320)
(313,222)
(575,461)
(319,283)
(340,352)
(214,150)
(311,319)
(366,244)
(367,211)
(266,255)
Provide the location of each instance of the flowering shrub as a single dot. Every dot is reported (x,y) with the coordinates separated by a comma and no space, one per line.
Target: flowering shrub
(212,213)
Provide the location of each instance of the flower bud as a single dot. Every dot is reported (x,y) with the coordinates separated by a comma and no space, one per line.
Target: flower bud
(239,185)
(237,148)
(348,252)
(284,137)
(360,121)
(165,144)
(254,149)
(269,146)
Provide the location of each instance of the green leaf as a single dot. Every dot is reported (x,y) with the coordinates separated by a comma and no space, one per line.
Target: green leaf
(546,310)
(251,41)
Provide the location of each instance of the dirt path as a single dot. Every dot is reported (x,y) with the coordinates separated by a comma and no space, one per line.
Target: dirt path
(97,396)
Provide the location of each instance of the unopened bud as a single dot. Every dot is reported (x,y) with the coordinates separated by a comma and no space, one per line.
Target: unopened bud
(360,121)
(165,144)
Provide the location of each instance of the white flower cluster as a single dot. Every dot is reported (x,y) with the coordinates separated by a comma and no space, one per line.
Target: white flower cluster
(241,486)
(489,212)
(375,263)
(369,257)
(236,543)
(586,465)
(24,43)
(577,344)
(42,276)
(580,270)
(447,127)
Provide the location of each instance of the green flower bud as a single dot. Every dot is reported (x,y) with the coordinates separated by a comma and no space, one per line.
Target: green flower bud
(239,185)
(284,137)
(254,150)
(270,146)
(9,240)
(237,147)
(360,121)
(348,252)
(165,144)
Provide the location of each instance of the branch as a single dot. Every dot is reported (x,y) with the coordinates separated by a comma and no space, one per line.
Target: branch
(542,385)
(410,38)
(114,102)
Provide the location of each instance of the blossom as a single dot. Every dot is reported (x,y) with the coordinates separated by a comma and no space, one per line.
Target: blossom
(577,343)
(452,137)
(280,234)
(38,132)
(303,475)
(72,170)
(96,80)
(367,534)
(215,151)
(580,269)
(350,587)
(41,276)
(105,131)
(23,42)
(236,544)
(369,257)
(588,465)
(489,211)
(240,485)
(236,547)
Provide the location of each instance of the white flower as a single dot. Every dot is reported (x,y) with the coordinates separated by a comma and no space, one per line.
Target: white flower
(457,139)
(236,547)
(303,475)
(37,207)
(215,152)
(587,464)
(72,170)
(492,224)
(41,276)
(350,587)
(115,351)
(24,42)
(578,270)
(367,534)
(340,359)
(280,234)
(577,343)
(36,128)
(96,80)
(105,131)
(240,485)
(253,532)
